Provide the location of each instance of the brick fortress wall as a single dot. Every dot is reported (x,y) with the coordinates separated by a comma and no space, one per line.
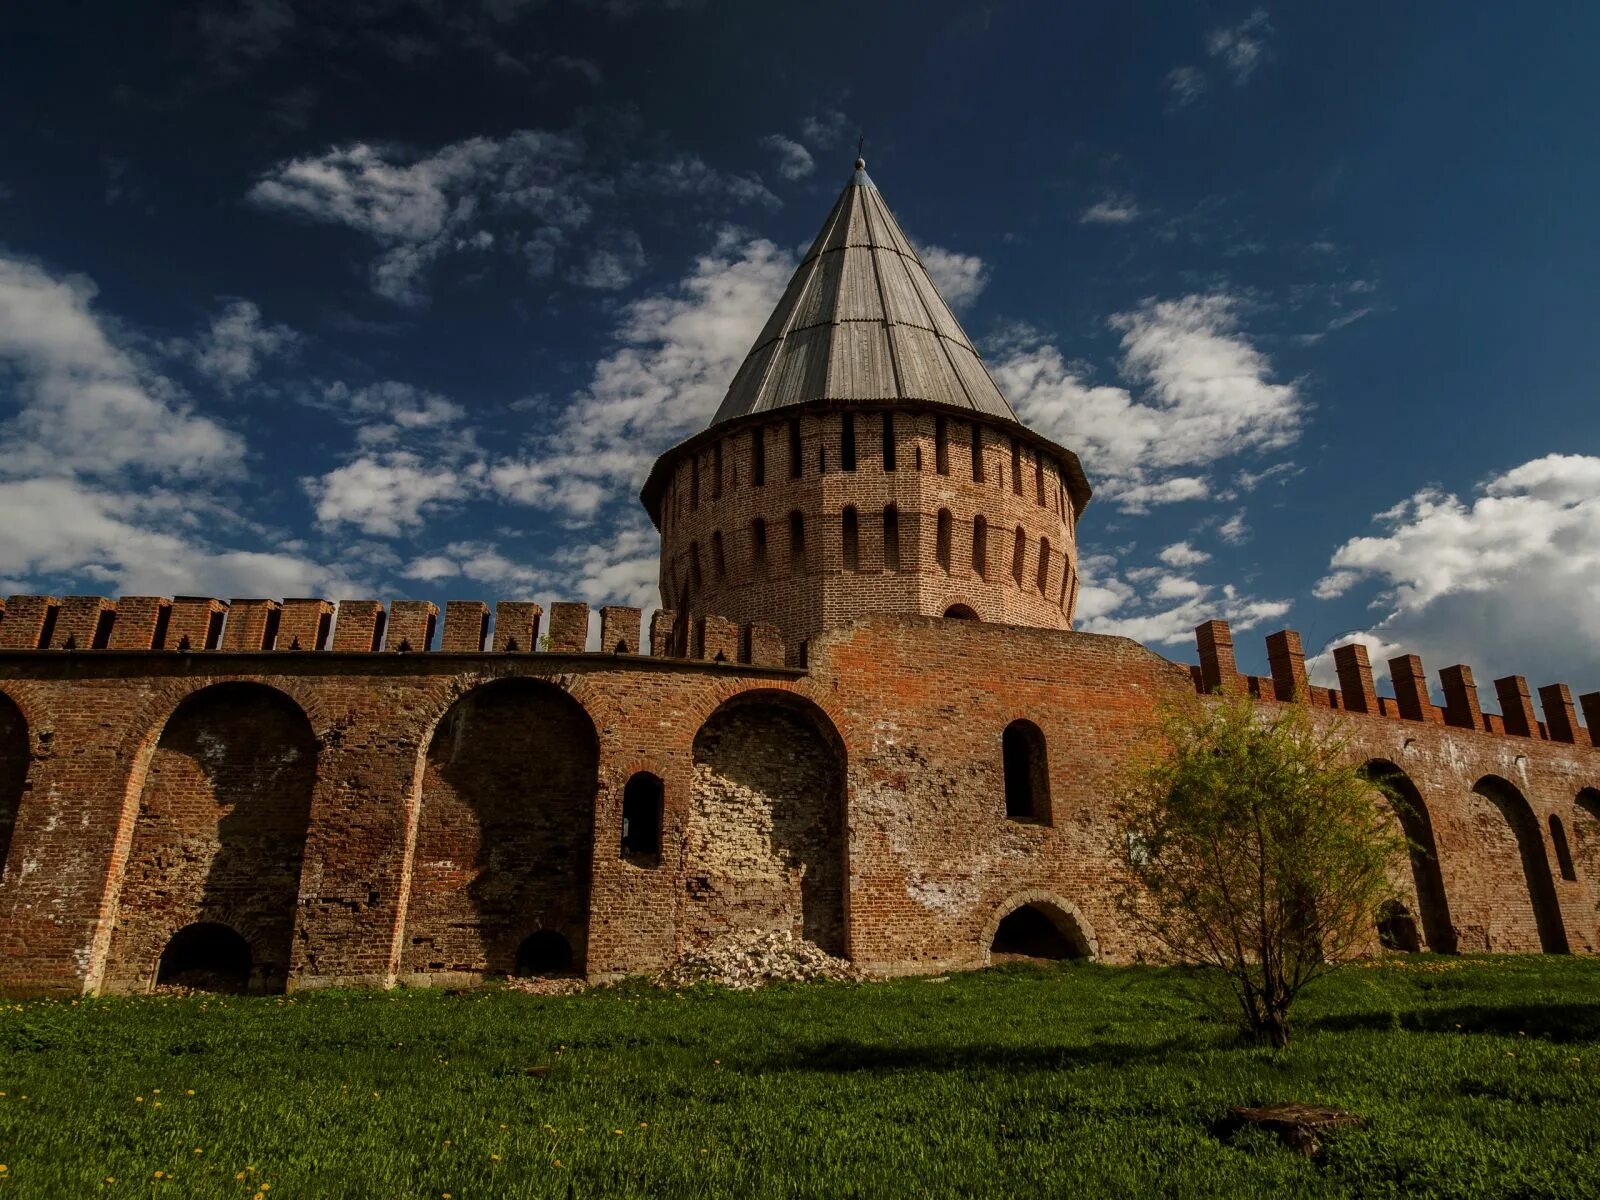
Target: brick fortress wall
(394,801)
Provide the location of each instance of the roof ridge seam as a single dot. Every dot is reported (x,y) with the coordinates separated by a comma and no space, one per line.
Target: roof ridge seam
(883,305)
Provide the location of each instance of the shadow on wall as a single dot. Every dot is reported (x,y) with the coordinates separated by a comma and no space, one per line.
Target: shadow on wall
(14,756)
(218,844)
(500,877)
(1541,889)
(1406,801)
(767,823)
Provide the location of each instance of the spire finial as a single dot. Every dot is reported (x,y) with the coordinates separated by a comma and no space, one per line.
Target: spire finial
(861,149)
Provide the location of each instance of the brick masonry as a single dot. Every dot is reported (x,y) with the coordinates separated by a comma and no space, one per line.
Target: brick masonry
(369,817)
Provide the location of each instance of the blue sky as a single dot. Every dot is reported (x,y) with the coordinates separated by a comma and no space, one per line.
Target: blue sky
(402,300)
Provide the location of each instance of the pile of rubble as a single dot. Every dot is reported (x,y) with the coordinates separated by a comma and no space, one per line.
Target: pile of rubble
(751,959)
(547,985)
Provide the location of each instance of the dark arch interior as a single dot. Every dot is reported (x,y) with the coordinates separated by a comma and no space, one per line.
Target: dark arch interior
(1397,929)
(642,803)
(960,612)
(1027,776)
(207,956)
(1535,863)
(1031,933)
(13,770)
(544,953)
(1437,929)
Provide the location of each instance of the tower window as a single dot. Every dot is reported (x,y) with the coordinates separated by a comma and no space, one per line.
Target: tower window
(1019,554)
(852,539)
(694,483)
(888,441)
(797,542)
(977,453)
(1027,773)
(941,446)
(797,464)
(758,456)
(980,547)
(642,798)
(1038,479)
(718,564)
(891,538)
(716,471)
(758,545)
(1044,566)
(1016,466)
(847,442)
(942,541)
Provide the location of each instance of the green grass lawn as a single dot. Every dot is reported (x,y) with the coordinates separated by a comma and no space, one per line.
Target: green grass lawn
(1477,1077)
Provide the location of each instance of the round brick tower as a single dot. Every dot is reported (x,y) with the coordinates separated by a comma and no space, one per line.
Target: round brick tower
(863,461)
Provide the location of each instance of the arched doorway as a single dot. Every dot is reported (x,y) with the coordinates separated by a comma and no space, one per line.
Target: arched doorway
(1039,929)
(1397,929)
(505,831)
(220,835)
(765,837)
(1427,881)
(545,953)
(14,757)
(1526,915)
(208,957)
(960,612)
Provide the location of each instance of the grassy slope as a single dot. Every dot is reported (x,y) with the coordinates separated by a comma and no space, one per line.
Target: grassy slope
(1478,1077)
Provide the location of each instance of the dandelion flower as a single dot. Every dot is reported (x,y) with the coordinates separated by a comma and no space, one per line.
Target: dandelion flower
(494,1158)
(190,1092)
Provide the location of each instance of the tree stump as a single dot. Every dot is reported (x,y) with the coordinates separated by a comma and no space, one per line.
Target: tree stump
(1298,1126)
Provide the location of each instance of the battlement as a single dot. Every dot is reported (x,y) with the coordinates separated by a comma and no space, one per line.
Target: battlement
(1357,693)
(204,624)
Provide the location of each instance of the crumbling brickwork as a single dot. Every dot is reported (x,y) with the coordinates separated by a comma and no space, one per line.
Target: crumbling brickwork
(373,818)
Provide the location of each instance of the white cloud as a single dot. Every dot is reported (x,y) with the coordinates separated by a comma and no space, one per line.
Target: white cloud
(1234,531)
(1321,667)
(1205,393)
(1161,607)
(1506,581)
(386,493)
(959,277)
(1113,210)
(1182,554)
(86,405)
(613,264)
(231,352)
(825,130)
(794,160)
(676,351)
(1243,47)
(1187,84)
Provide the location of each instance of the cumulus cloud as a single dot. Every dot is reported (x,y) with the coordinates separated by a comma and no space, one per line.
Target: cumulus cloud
(959,277)
(1242,47)
(825,130)
(87,405)
(238,342)
(1182,554)
(388,493)
(1113,210)
(794,160)
(675,352)
(1162,606)
(613,264)
(1198,392)
(1505,580)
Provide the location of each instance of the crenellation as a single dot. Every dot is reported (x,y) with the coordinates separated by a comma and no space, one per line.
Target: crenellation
(251,625)
(1288,661)
(716,639)
(569,628)
(1516,706)
(619,629)
(195,624)
(358,627)
(1461,707)
(1590,703)
(303,624)
(29,622)
(411,626)
(1357,692)
(1218,671)
(83,623)
(516,626)
(141,623)
(1410,687)
(466,627)
(1560,714)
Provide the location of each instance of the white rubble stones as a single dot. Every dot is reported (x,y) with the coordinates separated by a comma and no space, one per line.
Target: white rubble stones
(751,959)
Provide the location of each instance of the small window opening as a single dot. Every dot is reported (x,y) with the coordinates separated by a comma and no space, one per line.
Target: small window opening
(718,563)
(758,545)
(544,953)
(1038,479)
(942,540)
(1558,835)
(888,441)
(1016,466)
(694,483)
(797,463)
(716,471)
(1019,555)
(758,457)
(847,441)
(208,957)
(941,446)
(851,531)
(980,547)
(891,538)
(1397,928)
(1027,776)
(1044,566)
(960,612)
(642,802)
(977,453)
(797,542)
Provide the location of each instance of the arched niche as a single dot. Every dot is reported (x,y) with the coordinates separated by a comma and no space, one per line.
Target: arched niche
(1426,880)
(1515,869)
(765,837)
(504,831)
(960,612)
(14,758)
(207,956)
(220,833)
(1037,926)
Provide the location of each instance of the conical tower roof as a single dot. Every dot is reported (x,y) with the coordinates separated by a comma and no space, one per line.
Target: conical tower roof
(862,321)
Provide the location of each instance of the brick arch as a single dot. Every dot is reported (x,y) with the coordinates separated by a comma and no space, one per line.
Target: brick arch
(1511,845)
(765,846)
(1064,914)
(500,829)
(214,827)
(1427,880)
